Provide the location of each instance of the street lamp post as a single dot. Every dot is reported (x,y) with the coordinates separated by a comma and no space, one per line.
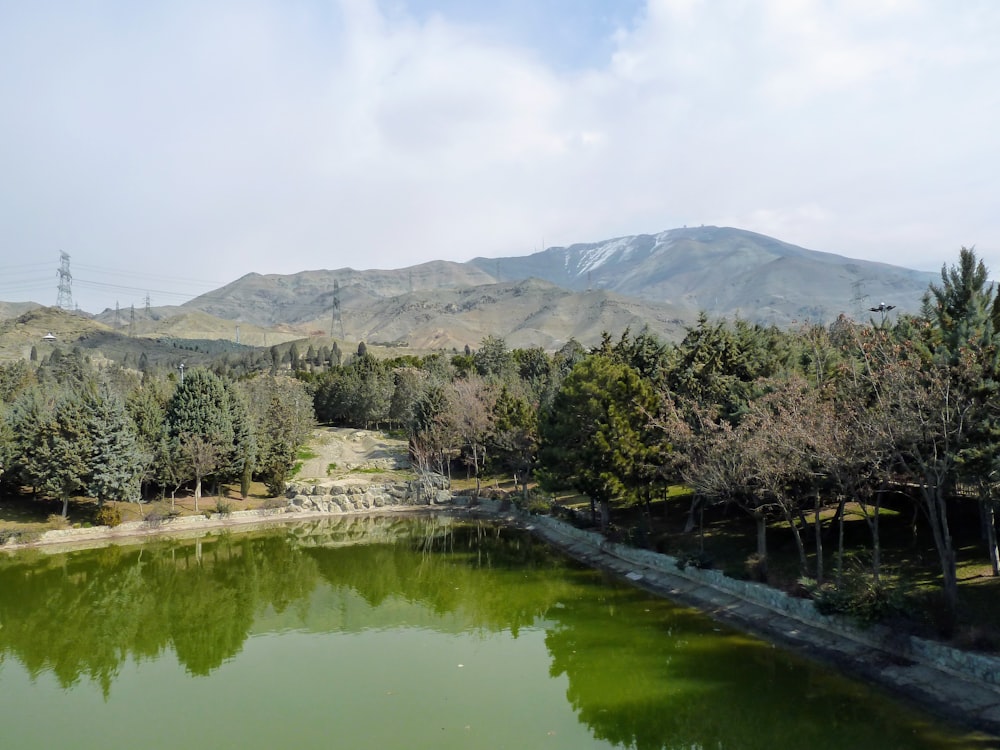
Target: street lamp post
(884,309)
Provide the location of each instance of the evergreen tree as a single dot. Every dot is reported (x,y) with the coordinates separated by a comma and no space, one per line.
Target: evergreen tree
(595,436)
(244,450)
(61,465)
(199,423)
(116,461)
(493,360)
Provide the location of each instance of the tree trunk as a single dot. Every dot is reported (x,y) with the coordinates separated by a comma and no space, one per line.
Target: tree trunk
(818,527)
(991,539)
(689,524)
(65,509)
(761,520)
(840,542)
(937,515)
(876,540)
(803,561)
(988,530)
(197,492)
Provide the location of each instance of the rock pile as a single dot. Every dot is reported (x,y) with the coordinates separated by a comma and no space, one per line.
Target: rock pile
(347,497)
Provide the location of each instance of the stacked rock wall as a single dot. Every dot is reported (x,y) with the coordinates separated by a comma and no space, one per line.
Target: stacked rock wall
(341,497)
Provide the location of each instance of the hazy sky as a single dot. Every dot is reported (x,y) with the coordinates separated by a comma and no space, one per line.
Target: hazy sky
(171,147)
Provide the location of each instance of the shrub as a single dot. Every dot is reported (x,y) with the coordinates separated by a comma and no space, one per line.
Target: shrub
(977,638)
(536,505)
(158,513)
(223,507)
(755,567)
(57,521)
(276,480)
(861,597)
(108,515)
(700,560)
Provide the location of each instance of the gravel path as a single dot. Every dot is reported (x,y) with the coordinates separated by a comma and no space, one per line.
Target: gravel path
(361,455)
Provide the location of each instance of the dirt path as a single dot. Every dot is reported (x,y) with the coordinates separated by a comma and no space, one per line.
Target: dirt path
(359,455)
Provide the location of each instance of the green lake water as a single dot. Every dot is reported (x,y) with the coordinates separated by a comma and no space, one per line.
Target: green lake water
(396,633)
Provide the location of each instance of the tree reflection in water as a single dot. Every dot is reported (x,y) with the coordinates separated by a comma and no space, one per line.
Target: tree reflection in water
(639,671)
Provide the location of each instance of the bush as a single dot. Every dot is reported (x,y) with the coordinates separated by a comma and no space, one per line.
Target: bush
(977,638)
(158,513)
(57,521)
(537,505)
(223,507)
(108,515)
(755,567)
(700,560)
(859,596)
(276,481)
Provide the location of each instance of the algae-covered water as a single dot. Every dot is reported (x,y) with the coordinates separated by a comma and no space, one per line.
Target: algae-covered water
(396,633)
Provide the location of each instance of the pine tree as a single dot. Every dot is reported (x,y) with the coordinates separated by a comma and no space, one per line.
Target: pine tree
(117,464)
(594,438)
(199,423)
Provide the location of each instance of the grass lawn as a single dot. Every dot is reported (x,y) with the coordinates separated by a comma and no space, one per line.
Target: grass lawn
(30,515)
(909,559)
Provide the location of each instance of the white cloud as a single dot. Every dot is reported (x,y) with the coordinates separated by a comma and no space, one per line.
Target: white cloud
(228,137)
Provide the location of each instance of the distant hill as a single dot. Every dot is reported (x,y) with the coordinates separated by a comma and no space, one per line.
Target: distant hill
(724,272)
(660,282)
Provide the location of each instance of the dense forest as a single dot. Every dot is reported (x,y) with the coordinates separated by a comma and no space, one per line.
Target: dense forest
(787,426)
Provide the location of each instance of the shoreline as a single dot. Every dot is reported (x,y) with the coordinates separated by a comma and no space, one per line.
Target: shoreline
(914,671)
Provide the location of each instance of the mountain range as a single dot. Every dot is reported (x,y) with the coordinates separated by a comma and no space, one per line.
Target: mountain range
(660,282)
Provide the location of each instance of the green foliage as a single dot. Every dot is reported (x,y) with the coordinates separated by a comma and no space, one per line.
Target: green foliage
(117,462)
(492,359)
(595,437)
(223,507)
(108,515)
(276,479)
(861,596)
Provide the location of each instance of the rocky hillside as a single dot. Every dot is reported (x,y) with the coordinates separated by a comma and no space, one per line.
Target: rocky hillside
(724,272)
(660,282)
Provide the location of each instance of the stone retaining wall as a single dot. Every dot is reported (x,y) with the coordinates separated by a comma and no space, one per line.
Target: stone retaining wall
(983,667)
(345,497)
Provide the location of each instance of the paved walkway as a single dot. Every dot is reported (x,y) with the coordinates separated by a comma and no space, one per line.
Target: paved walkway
(953,697)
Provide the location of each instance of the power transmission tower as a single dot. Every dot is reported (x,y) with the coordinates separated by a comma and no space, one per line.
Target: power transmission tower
(147,304)
(131,322)
(118,316)
(860,299)
(335,316)
(65,298)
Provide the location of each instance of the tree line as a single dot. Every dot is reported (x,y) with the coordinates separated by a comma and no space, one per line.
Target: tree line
(71,428)
(784,425)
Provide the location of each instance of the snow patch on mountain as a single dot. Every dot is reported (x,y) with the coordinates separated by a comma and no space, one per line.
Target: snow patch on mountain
(598,256)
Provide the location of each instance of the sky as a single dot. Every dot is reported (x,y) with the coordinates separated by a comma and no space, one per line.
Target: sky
(172,147)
